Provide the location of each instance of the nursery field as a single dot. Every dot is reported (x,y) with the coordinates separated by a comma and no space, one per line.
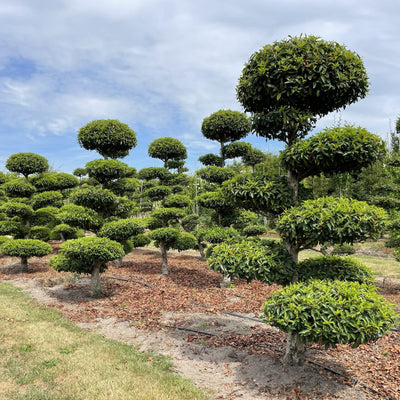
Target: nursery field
(212,335)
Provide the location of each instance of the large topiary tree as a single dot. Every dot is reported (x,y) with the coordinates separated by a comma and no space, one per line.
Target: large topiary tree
(286,86)
(167,149)
(27,164)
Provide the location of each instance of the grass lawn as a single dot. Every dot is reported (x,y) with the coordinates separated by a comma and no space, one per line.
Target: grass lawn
(45,357)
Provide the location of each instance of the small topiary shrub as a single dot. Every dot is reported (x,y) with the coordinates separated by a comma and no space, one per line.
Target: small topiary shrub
(140,240)
(254,230)
(266,261)
(18,188)
(217,234)
(330,313)
(344,249)
(185,241)
(334,268)
(64,232)
(25,248)
(45,199)
(40,233)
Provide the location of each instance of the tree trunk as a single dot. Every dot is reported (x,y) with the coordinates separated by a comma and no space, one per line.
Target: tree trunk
(24,264)
(62,237)
(293,182)
(295,350)
(95,283)
(164,265)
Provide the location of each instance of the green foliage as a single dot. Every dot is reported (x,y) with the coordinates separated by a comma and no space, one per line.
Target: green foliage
(27,163)
(95,198)
(157,193)
(12,228)
(167,148)
(40,233)
(168,215)
(80,217)
(236,149)
(288,84)
(334,150)
(18,188)
(226,126)
(217,234)
(334,268)
(150,173)
(64,230)
(4,239)
(330,313)
(259,193)
(166,235)
(329,219)
(215,174)
(79,172)
(122,229)
(211,159)
(105,171)
(267,261)
(185,241)
(177,200)
(54,181)
(140,240)
(124,186)
(125,208)
(46,216)
(110,138)
(47,199)
(254,230)
(343,249)
(25,248)
(253,157)
(16,209)
(190,222)
(80,255)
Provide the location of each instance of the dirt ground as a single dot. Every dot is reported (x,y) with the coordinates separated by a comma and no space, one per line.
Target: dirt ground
(178,315)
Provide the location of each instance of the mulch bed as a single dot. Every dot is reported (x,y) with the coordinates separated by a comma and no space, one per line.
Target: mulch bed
(192,287)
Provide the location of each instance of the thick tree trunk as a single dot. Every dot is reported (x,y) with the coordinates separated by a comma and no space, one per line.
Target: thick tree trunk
(164,265)
(95,283)
(295,350)
(24,264)
(293,182)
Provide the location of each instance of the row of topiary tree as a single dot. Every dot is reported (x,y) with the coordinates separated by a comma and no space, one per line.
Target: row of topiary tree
(285,87)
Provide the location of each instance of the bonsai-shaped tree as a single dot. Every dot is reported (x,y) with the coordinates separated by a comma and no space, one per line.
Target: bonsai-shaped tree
(111,138)
(167,149)
(87,255)
(286,86)
(25,248)
(27,164)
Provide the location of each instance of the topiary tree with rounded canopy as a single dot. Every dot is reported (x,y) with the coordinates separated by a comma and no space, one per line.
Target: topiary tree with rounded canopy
(27,164)
(106,171)
(87,255)
(167,149)
(110,138)
(25,248)
(286,86)
(225,126)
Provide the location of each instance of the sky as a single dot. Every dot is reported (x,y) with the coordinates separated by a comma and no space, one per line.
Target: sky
(162,66)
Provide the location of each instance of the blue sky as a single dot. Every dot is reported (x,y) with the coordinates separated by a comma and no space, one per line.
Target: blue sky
(161,66)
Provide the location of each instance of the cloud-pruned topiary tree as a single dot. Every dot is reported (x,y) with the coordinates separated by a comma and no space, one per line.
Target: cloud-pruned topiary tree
(27,164)
(167,149)
(110,138)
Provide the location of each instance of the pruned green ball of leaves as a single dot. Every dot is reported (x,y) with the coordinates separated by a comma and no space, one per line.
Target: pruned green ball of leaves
(54,181)
(167,148)
(122,229)
(140,240)
(254,230)
(334,150)
(334,268)
(166,235)
(110,137)
(80,217)
(124,186)
(51,198)
(17,209)
(215,174)
(236,149)
(226,126)
(79,255)
(177,200)
(330,312)
(150,173)
(330,219)
(40,233)
(12,228)
(217,234)
(64,231)
(266,261)
(25,248)
(211,159)
(105,171)
(344,249)
(185,241)
(18,188)
(213,200)
(95,198)
(27,163)
(168,215)
(157,193)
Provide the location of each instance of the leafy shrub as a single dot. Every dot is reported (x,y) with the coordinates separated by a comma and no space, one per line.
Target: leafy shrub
(267,261)
(47,199)
(254,230)
(12,228)
(185,241)
(157,193)
(27,163)
(177,200)
(40,233)
(122,229)
(211,159)
(343,249)
(167,148)
(330,313)
(95,198)
(19,188)
(106,170)
(166,235)
(64,232)
(213,200)
(140,240)
(17,209)
(79,216)
(4,239)
(216,234)
(46,216)
(334,268)
(49,181)
(168,215)
(215,174)
(150,173)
